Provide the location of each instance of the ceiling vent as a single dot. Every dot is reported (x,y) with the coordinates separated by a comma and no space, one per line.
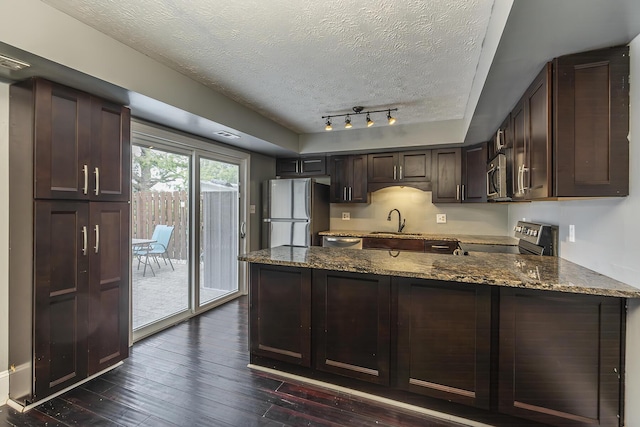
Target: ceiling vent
(12,64)
(225,134)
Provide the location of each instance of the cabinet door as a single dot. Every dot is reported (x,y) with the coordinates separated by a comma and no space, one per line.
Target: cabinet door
(519,151)
(280,301)
(313,166)
(591,124)
(62,139)
(110,174)
(382,167)
(414,166)
(444,340)
(61,295)
(537,175)
(447,176)
(358,182)
(109,248)
(340,170)
(560,357)
(351,318)
(474,170)
(287,167)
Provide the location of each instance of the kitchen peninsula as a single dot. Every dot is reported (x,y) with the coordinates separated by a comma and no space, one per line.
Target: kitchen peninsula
(534,337)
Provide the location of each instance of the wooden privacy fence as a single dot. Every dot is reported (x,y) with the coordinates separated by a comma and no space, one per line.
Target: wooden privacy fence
(150,208)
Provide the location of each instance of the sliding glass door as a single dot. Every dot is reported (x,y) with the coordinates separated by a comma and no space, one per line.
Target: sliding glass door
(188,227)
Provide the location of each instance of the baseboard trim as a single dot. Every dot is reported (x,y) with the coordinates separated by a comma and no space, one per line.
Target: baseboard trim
(371,397)
(4,387)
(24,408)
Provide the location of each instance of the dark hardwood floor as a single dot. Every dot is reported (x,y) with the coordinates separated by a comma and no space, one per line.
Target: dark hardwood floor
(195,374)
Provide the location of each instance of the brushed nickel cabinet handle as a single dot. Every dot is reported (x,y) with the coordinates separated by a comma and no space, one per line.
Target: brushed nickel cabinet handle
(97,230)
(96,172)
(350,193)
(85,188)
(394,172)
(344,193)
(84,240)
(439,247)
(458,192)
(463,192)
(400,173)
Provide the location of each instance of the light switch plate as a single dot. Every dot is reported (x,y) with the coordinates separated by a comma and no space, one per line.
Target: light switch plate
(346,216)
(252,209)
(441,218)
(572,233)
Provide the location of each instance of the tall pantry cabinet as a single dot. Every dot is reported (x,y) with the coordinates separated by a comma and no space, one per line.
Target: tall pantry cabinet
(69,237)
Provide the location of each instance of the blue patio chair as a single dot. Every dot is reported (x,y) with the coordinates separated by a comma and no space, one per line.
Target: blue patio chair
(162,235)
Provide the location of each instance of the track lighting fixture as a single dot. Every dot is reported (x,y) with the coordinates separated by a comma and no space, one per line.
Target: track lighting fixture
(391,120)
(359,110)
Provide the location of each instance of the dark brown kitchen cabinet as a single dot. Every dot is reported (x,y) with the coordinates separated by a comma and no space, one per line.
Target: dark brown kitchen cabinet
(415,245)
(69,227)
(351,324)
(81,144)
(591,123)
(444,340)
(407,168)
(560,357)
(447,175)
(280,301)
(348,179)
(440,246)
(301,166)
(474,174)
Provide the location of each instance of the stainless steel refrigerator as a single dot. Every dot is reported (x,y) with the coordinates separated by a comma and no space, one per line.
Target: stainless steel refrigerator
(293,212)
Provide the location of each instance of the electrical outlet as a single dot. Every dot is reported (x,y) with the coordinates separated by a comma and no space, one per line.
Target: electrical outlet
(346,216)
(252,209)
(441,218)
(572,233)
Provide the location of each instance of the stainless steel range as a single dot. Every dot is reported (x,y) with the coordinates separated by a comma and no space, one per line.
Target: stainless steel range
(536,238)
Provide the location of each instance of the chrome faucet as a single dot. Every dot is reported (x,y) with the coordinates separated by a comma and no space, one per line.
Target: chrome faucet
(400,221)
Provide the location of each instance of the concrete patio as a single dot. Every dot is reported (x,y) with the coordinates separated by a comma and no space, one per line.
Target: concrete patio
(165,294)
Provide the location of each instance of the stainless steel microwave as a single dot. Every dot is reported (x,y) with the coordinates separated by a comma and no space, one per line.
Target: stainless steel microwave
(497,179)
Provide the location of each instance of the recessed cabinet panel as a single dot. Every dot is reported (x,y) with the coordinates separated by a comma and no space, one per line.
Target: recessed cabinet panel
(448,176)
(415,166)
(63,333)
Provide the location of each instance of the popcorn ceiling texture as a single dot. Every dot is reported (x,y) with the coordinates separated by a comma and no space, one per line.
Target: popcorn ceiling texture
(295,61)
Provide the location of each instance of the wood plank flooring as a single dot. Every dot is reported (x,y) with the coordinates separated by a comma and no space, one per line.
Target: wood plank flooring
(195,374)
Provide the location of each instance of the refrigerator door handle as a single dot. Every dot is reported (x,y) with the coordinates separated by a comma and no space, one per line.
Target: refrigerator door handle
(266,220)
(243,232)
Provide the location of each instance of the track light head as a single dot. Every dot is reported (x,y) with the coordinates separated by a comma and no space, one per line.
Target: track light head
(369,121)
(328,125)
(347,122)
(391,120)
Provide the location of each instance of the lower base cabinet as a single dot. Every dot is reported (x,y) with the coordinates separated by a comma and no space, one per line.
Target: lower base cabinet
(560,358)
(351,318)
(549,357)
(280,307)
(444,340)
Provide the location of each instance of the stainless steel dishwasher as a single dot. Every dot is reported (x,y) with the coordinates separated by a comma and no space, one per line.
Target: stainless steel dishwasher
(342,242)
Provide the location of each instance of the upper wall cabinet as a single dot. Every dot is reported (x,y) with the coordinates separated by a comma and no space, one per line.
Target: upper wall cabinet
(570,128)
(591,116)
(348,179)
(447,175)
(406,168)
(81,144)
(301,166)
(474,174)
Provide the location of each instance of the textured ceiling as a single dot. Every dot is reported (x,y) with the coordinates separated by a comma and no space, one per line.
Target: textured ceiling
(295,61)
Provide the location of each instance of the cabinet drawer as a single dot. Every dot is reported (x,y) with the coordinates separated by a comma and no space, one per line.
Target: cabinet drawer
(398,244)
(440,246)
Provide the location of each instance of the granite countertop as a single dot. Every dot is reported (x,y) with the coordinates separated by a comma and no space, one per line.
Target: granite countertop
(462,238)
(520,271)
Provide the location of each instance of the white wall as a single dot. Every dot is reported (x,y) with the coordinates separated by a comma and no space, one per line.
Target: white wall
(420,214)
(4,242)
(607,235)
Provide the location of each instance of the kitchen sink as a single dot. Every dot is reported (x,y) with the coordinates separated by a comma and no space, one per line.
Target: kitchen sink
(399,233)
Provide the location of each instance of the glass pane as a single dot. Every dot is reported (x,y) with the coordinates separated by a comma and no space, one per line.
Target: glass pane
(160,225)
(219,219)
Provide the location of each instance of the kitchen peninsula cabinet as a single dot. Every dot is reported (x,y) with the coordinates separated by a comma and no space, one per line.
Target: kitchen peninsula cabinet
(351,324)
(280,301)
(444,340)
(348,179)
(407,168)
(69,175)
(561,357)
(393,244)
(298,167)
